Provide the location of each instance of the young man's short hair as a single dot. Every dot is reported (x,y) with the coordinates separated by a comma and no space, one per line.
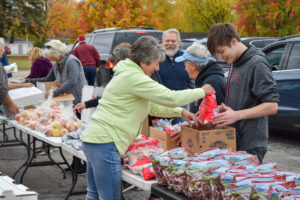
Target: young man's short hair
(221,34)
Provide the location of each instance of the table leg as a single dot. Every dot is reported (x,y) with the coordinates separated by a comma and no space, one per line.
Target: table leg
(74,173)
(8,143)
(57,164)
(28,157)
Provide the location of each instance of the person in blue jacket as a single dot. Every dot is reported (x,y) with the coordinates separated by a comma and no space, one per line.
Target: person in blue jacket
(173,74)
(4,62)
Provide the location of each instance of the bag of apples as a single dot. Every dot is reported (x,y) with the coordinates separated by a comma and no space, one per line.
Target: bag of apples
(50,118)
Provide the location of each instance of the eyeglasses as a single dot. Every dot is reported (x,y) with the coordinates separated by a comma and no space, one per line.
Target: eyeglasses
(48,47)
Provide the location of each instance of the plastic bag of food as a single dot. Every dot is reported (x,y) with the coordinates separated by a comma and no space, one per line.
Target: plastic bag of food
(208,108)
(195,171)
(143,167)
(170,172)
(260,189)
(277,191)
(213,152)
(141,147)
(265,168)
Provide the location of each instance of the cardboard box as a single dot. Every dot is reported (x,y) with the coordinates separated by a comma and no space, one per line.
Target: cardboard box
(145,127)
(203,138)
(163,137)
(26,96)
(46,86)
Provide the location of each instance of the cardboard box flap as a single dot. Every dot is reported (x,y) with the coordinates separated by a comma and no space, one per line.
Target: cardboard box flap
(164,138)
(205,127)
(46,86)
(64,97)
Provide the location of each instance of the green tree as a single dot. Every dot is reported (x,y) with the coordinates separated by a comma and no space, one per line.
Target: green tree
(268,17)
(20,17)
(201,15)
(167,11)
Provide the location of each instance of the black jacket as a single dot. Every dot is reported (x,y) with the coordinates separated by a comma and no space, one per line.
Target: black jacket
(212,74)
(250,83)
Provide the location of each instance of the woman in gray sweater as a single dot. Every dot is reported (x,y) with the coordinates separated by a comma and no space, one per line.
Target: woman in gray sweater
(67,70)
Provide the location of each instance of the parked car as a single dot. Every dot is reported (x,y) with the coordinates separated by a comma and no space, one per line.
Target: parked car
(185,43)
(104,40)
(258,42)
(284,58)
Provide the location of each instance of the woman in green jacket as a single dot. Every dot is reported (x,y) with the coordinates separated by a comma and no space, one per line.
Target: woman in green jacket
(128,98)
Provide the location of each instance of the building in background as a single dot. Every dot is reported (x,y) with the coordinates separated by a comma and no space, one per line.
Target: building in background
(20,46)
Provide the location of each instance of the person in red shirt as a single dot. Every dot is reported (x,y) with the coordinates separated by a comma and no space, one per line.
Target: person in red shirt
(89,58)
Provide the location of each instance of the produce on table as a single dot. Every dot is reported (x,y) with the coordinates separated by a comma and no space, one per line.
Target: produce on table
(50,119)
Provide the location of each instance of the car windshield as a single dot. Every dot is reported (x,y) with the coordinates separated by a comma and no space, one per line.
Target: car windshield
(131,37)
(102,42)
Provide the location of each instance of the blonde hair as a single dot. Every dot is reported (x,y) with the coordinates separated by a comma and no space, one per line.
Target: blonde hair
(35,53)
(57,49)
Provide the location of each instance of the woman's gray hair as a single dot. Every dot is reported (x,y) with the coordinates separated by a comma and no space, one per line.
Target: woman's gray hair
(55,49)
(146,49)
(200,51)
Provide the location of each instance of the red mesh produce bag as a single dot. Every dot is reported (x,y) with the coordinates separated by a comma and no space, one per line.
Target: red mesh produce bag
(208,108)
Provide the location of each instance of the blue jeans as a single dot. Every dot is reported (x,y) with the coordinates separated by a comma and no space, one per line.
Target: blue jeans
(103,171)
(90,73)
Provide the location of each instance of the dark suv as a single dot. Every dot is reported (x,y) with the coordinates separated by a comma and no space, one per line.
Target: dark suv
(104,40)
(284,58)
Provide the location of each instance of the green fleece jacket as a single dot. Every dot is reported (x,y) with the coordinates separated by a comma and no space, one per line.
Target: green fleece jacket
(128,98)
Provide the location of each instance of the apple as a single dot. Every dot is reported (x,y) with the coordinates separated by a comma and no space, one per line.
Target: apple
(63,123)
(55,132)
(53,105)
(33,124)
(68,127)
(56,125)
(26,122)
(48,132)
(63,132)
(18,117)
(21,120)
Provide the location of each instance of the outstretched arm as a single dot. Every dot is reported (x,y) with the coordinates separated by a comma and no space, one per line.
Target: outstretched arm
(229,116)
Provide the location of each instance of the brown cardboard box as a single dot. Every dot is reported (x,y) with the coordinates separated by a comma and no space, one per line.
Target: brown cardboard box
(145,127)
(163,137)
(203,138)
(46,86)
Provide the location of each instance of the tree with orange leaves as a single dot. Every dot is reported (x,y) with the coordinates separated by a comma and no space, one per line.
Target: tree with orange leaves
(95,14)
(61,18)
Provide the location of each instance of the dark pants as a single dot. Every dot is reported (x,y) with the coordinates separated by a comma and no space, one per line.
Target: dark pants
(90,73)
(260,152)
